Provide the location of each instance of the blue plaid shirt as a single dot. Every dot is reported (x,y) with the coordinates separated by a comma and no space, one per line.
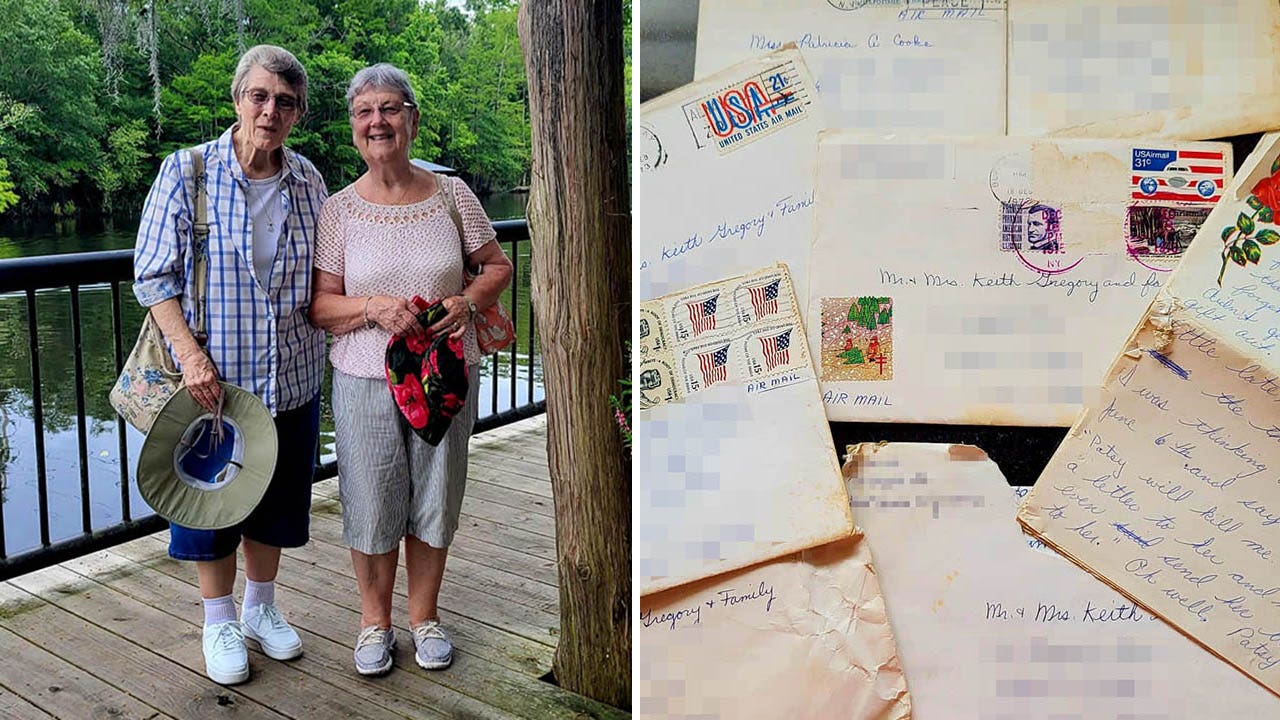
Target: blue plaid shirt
(259,335)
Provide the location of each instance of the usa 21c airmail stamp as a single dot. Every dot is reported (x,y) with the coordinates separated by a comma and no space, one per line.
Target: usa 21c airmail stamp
(746,110)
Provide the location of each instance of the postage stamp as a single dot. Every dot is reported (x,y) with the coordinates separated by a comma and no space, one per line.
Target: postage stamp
(723,333)
(653,332)
(1030,227)
(764,297)
(857,338)
(1195,176)
(702,311)
(710,364)
(658,381)
(1157,235)
(748,110)
(774,349)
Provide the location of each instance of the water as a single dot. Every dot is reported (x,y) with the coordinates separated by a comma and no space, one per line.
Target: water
(18,461)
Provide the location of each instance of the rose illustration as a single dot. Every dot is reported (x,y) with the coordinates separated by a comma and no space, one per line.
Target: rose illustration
(1242,242)
(1268,192)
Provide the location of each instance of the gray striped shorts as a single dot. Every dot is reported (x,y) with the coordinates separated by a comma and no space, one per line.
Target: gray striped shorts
(390,481)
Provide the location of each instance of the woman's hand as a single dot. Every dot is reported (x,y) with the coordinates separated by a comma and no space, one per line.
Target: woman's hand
(201,379)
(396,315)
(455,323)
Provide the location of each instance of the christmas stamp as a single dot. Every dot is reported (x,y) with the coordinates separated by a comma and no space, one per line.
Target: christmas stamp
(857,338)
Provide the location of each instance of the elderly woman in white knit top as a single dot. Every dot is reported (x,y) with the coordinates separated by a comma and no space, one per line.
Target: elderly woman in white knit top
(382,240)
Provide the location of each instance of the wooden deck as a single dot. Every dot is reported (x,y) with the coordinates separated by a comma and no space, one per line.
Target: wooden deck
(117,634)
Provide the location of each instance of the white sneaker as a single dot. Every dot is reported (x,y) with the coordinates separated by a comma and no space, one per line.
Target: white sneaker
(226,661)
(264,624)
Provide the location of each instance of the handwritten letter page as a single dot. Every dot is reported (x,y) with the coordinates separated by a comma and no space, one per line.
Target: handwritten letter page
(802,637)
(736,461)
(1026,635)
(1168,490)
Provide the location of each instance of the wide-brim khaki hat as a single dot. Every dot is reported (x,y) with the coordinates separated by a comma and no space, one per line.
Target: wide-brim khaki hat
(193,479)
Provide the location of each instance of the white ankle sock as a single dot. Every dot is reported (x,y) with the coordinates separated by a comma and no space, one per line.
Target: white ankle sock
(258,593)
(219,610)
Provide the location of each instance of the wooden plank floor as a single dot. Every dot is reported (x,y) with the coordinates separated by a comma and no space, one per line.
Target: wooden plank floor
(116,634)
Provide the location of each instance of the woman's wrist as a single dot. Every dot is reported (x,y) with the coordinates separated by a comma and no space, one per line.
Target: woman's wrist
(368,324)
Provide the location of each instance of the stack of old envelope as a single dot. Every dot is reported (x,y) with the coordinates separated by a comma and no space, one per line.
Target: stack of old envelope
(959,212)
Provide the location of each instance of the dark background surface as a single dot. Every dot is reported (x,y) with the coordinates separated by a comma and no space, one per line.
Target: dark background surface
(668,36)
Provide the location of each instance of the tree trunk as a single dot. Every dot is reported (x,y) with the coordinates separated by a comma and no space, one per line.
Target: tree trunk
(579,219)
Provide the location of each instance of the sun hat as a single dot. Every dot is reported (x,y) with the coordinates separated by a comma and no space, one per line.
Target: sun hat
(427,375)
(194,478)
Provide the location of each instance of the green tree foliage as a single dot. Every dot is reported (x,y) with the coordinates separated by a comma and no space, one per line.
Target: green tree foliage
(123,163)
(8,198)
(52,67)
(871,312)
(853,356)
(84,77)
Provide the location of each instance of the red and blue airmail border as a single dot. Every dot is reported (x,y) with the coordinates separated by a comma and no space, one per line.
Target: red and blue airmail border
(746,111)
(1178,175)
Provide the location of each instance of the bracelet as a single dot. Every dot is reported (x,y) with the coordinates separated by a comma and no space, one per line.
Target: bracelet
(368,325)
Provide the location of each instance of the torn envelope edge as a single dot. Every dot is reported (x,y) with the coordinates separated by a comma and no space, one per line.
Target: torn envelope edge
(855,453)
(890,687)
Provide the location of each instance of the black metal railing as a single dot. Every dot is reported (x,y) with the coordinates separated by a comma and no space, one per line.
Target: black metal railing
(70,273)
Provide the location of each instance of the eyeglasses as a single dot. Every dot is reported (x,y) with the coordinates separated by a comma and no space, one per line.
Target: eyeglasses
(365,112)
(259,98)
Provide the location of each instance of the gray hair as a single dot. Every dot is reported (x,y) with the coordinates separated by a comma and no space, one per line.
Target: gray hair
(383,76)
(274,60)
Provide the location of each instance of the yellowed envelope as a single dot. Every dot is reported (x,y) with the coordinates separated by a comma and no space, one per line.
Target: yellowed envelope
(902,67)
(989,628)
(1141,68)
(802,637)
(1186,69)
(969,280)
(726,175)
(1168,486)
(735,455)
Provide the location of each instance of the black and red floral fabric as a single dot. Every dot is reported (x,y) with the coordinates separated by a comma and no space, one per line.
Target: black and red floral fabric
(427,375)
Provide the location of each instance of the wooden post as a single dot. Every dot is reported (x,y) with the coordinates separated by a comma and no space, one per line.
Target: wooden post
(580,222)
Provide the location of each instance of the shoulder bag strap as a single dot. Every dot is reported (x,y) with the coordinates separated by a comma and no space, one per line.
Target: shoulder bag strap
(446,189)
(200,242)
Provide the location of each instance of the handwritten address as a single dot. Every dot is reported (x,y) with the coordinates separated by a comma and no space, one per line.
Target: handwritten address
(754,599)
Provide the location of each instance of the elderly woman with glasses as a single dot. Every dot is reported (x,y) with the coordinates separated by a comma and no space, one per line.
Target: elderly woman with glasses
(263,203)
(384,239)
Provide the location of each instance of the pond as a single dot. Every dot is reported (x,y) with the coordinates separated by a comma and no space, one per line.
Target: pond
(60,432)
